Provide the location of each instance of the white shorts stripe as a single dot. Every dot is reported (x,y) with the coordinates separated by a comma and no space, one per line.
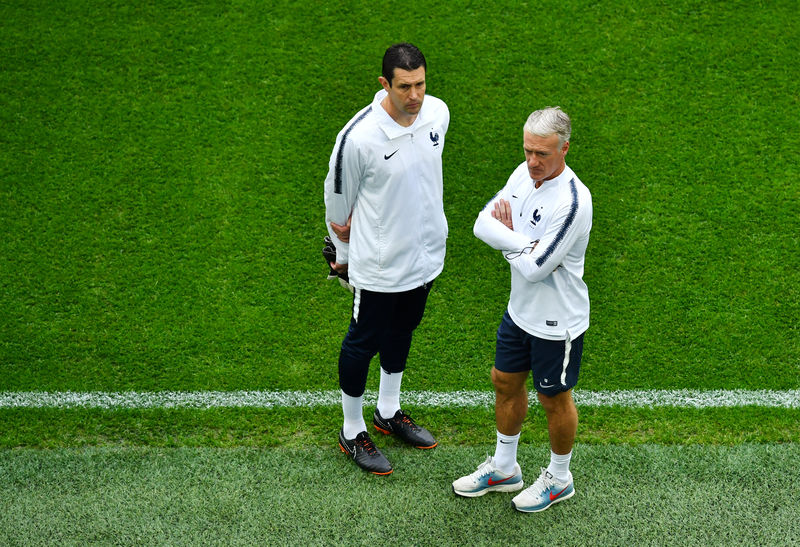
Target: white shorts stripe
(567,351)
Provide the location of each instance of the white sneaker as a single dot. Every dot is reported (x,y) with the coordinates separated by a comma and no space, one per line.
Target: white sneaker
(543,493)
(487,478)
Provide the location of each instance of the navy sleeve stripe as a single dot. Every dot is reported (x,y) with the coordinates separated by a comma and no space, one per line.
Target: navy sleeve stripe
(337,172)
(573,211)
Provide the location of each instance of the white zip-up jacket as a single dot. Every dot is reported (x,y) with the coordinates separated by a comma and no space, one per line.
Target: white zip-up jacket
(548,296)
(390,178)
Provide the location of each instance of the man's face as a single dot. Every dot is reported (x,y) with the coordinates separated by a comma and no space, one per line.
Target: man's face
(407,90)
(545,158)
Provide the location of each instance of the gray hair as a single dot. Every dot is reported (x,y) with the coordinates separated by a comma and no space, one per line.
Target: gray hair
(549,121)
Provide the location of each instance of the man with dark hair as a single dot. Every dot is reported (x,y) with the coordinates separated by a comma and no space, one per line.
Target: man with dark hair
(385,216)
(403,56)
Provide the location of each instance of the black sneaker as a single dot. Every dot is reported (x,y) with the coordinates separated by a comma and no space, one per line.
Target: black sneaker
(365,454)
(404,427)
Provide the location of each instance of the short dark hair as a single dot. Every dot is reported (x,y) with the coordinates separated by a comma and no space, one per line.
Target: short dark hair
(405,56)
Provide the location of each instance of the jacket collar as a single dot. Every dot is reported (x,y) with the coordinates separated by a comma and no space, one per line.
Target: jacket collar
(391,128)
(563,177)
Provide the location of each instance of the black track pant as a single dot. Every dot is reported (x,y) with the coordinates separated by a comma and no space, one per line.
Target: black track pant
(382,323)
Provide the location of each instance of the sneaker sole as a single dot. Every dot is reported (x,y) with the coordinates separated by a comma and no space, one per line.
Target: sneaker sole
(478,493)
(381,473)
(386,432)
(546,506)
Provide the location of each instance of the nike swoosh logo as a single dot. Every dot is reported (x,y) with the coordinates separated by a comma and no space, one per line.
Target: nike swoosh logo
(390,155)
(492,483)
(552,497)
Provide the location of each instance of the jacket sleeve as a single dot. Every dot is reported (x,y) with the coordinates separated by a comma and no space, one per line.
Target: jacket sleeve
(565,228)
(341,189)
(493,232)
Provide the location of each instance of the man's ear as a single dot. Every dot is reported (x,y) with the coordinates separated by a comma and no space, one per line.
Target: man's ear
(385,83)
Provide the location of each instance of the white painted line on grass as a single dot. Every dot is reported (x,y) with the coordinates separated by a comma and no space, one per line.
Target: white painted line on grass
(684,398)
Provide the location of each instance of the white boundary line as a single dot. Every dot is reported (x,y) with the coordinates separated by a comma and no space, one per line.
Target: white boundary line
(280,399)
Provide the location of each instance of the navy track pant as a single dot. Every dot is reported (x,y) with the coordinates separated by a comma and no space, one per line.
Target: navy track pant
(382,323)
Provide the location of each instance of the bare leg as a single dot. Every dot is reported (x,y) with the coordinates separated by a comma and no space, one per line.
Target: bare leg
(511,400)
(562,420)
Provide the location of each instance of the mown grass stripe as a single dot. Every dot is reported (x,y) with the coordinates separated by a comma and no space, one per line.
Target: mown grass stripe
(275,399)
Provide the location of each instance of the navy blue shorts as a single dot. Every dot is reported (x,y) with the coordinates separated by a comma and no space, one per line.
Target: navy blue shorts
(555,363)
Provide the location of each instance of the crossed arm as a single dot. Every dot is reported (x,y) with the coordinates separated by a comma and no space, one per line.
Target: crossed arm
(535,260)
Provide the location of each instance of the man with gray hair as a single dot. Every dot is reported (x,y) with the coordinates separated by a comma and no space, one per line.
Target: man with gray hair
(540,221)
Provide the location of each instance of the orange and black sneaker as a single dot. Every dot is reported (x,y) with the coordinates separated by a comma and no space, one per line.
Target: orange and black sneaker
(405,428)
(365,453)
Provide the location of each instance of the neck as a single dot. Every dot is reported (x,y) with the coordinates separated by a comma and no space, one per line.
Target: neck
(401,118)
(538,183)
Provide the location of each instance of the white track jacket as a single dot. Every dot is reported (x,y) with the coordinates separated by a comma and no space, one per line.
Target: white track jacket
(548,296)
(390,178)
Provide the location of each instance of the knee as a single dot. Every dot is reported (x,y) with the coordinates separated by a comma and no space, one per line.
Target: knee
(508,384)
(557,404)
(359,348)
(497,381)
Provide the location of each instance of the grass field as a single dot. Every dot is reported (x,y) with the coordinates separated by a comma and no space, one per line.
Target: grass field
(651,495)
(161,216)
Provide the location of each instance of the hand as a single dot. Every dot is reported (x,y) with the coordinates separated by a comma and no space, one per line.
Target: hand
(339,268)
(502,212)
(342,232)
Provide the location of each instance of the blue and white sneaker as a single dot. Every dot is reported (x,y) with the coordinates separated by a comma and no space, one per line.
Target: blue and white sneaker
(543,493)
(487,478)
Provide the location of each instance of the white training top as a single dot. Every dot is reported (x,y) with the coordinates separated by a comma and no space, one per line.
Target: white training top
(548,296)
(390,178)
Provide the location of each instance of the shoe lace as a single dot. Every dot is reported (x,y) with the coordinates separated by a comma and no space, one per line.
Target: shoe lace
(544,481)
(367,444)
(406,419)
(485,468)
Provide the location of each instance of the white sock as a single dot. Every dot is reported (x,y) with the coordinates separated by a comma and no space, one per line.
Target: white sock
(505,452)
(353,416)
(389,393)
(559,465)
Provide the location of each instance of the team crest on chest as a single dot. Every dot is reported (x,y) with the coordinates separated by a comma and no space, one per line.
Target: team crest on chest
(535,217)
(434,138)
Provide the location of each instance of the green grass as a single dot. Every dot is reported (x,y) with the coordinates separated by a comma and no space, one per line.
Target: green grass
(161,219)
(647,495)
(318,427)
(161,197)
